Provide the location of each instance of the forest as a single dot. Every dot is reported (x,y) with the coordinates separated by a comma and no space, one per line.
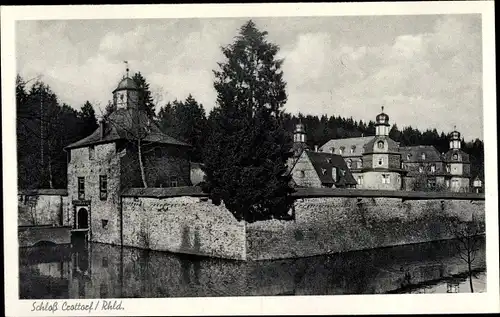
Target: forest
(45,125)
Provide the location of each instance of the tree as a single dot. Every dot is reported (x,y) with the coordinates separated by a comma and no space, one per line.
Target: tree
(467,235)
(187,122)
(247,149)
(110,108)
(88,118)
(146,102)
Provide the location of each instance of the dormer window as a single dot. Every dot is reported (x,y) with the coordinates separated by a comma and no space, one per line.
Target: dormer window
(302,174)
(341,150)
(349,163)
(323,171)
(455,156)
(380,144)
(360,163)
(353,148)
(423,156)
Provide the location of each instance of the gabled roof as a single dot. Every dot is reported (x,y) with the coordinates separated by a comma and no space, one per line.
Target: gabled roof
(322,161)
(125,124)
(348,143)
(391,144)
(415,152)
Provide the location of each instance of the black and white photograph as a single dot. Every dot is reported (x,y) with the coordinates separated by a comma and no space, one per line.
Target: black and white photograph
(232,154)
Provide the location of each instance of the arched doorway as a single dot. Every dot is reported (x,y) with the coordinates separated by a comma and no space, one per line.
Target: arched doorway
(82,219)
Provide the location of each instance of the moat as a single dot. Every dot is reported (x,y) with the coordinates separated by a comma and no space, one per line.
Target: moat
(105,271)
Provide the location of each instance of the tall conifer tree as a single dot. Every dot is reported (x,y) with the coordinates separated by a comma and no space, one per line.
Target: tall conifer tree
(247,149)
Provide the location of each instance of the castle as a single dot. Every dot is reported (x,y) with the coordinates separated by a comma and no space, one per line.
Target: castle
(378,162)
(109,161)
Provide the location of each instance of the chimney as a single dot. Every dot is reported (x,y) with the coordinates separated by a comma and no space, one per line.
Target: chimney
(101,128)
(315,148)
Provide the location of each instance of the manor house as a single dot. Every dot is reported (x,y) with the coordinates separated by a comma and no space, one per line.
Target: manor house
(378,162)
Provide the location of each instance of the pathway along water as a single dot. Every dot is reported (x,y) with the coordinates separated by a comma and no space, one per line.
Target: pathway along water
(105,271)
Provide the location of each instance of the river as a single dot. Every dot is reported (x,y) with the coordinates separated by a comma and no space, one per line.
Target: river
(105,271)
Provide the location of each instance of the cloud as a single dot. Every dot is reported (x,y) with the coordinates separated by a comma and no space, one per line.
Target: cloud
(426,70)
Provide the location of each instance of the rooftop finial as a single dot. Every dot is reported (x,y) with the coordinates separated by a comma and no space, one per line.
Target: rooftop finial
(382,108)
(455,127)
(126,63)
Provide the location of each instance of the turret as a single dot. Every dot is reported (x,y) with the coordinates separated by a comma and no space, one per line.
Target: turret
(382,125)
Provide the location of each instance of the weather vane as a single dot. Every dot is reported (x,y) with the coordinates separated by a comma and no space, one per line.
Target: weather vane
(126,63)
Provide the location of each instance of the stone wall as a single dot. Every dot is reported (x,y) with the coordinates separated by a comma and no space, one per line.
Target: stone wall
(42,209)
(189,225)
(340,224)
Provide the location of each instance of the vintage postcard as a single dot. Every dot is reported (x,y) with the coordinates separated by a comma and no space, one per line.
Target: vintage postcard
(335,158)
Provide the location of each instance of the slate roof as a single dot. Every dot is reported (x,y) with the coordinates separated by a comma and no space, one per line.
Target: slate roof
(121,125)
(415,152)
(448,156)
(164,192)
(126,83)
(391,144)
(326,161)
(347,143)
(44,191)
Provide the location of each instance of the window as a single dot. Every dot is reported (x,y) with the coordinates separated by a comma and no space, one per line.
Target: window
(380,144)
(360,163)
(341,150)
(448,168)
(455,156)
(329,160)
(334,174)
(349,163)
(323,171)
(302,174)
(423,156)
(431,183)
(386,179)
(447,183)
(420,169)
(104,223)
(103,187)
(81,188)
(353,148)
(91,152)
(360,180)
(408,156)
(173,181)
(380,161)
(158,152)
(342,172)
(433,168)
(398,179)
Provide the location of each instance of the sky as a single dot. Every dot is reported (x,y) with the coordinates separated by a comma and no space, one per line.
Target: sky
(425,70)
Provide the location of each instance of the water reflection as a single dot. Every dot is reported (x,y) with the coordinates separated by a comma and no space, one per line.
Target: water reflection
(105,271)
